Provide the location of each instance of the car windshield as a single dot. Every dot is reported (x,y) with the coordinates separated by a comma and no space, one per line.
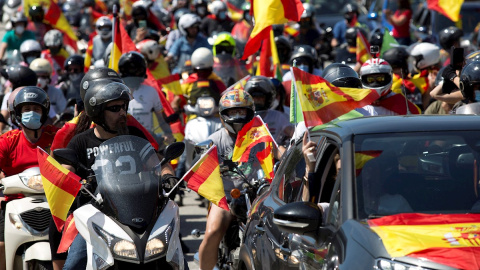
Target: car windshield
(417,173)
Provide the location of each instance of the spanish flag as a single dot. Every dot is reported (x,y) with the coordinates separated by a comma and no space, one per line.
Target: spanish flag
(363,48)
(117,47)
(362,157)
(397,103)
(204,178)
(236,14)
(449,8)
(269,64)
(265,157)
(449,239)
(238,85)
(68,235)
(61,187)
(252,133)
(267,13)
(322,102)
(88,55)
(161,73)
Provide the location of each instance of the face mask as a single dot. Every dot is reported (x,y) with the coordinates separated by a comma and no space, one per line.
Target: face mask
(222,15)
(31,120)
(30,59)
(75,76)
(19,29)
(201,11)
(42,82)
(304,68)
(105,34)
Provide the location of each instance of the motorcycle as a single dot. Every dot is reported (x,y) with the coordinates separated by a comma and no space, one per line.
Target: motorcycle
(27,219)
(132,222)
(240,205)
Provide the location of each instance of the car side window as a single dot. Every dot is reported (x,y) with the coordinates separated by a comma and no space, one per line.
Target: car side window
(292,171)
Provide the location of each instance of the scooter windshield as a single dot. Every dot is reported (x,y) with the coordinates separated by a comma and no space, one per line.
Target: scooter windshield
(125,172)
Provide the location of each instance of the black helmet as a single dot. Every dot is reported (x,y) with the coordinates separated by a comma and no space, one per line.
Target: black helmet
(351,35)
(342,75)
(139,12)
(474,56)
(19,17)
(132,64)
(76,60)
(31,95)
(97,78)
(376,37)
(397,57)
(261,86)
(470,77)
(97,98)
(349,8)
(36,13)
(284,48)
(449,36)
(20,76)
(304,54)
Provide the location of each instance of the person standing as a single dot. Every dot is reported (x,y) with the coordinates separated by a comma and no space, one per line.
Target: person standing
(401,22)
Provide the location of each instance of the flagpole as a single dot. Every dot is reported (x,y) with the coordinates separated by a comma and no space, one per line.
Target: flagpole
(112,52)
(295,97)
(233,85)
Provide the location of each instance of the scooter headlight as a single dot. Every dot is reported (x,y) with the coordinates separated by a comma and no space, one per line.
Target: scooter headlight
(156,247)
(33,182)
(120,248)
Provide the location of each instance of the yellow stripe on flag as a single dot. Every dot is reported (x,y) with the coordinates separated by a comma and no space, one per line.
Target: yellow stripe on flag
(212,187)
(53,193)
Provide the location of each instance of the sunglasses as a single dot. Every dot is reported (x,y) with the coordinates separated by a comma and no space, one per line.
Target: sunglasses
(375,79)
(117,108)
(74,70)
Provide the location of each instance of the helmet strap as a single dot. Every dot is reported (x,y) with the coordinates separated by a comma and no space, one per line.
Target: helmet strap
(107,129)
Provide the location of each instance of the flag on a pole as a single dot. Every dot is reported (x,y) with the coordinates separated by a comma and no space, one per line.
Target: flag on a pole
(398,104)
(362,157)
(387,42)
(68,235)
(267,13)
(449,8)
(269,64)
(204,178)
(450,239)
(61,186)
(296,114)
(88,55)
(117,47)
(322,102)
(363,48)
(265,157)
(252,133)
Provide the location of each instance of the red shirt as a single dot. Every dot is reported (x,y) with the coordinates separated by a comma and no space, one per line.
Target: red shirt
(18,154)
(403,30)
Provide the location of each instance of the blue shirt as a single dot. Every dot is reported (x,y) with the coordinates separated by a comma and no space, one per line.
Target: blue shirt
(339,31)
(182,50)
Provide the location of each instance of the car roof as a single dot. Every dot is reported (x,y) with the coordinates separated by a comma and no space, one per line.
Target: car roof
(396,124)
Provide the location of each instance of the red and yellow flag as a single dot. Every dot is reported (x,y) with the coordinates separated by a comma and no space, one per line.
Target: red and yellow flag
(363,48)
(451,239)
(236,14)
(449,8)
(396,103)
(161,73)
(322,102)
(362,157)
(291,30)
(88,55)
(117,47)
(265,157)
(269,64)
(61,186)
(204,178)
(252,133)
(238,85)
(267,13)
(68,235)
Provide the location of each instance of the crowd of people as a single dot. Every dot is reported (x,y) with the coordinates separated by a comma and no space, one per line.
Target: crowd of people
(54,98)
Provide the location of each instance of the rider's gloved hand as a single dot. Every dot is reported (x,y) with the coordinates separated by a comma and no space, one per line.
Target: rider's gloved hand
(168,182)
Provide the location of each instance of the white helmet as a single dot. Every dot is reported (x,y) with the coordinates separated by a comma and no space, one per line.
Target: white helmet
(30,50)
(425,54)
(41,66)
(149,48)
(186,21)
(377,74)
(217,6)
(104,27)
(202,58)
(53,38)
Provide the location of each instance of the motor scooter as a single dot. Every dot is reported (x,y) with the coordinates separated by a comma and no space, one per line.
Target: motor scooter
(131,223)
(26,222)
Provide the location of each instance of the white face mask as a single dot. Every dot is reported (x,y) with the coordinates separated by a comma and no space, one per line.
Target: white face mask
(42,82)
(19,29)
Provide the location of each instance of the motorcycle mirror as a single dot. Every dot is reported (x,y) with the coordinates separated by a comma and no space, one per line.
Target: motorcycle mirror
(66,156)
(202,147)
(173,151)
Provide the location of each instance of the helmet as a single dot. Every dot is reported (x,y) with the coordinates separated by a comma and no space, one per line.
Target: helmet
(234,99)
(474,56)
(261,86)
(97,98)
(19,18)
(20,76)
(351,35)
(224,43)
(470,78)
(30,49)
(97,78)
(202,58)
(246,6)
(341,75)
(36,13)
(284,48)
(139,12)
(41,66)
(349,8)
(449,36)
(217,6)
(377,66)
(186,21)
(425,55)
(308,11)
(132,64)
(178,13)
(31,94)
(104,27)
(150,49)
(76,60)
(304,54)
(53,38)
(376,37)
(397,57)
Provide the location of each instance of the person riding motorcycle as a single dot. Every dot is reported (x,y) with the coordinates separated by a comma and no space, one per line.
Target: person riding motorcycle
(448,37)
(15,37)
(100,42)
(306,58)
(36,13)
(73,72)
(218,21)
(55,51)
(341,75)
(30,50)
(226,65)
(18,147)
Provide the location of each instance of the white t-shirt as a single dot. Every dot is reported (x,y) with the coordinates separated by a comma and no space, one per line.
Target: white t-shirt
(146,101)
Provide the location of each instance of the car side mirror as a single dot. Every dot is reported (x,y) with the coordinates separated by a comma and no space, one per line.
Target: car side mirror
(299,218)
(173,151)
